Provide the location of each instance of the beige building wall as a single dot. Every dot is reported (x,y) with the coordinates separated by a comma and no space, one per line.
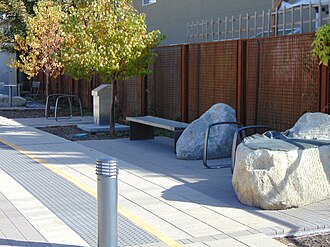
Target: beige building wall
(172,16)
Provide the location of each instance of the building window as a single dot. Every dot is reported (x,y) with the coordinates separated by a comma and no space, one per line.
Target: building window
(147,2)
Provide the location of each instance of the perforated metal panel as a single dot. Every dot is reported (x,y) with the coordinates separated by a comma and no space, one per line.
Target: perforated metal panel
(282,80)
(212,76)
(129,97)
(164,88)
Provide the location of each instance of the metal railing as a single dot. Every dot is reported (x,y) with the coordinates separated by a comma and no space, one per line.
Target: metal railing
(285,21)
(57,98)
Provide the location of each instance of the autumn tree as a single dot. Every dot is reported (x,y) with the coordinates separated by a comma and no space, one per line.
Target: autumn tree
(40,49)
(321,48)
(108,38)
(13,19)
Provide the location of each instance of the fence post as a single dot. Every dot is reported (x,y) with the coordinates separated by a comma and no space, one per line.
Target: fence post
(89,95)
(324,89)
(184,82)
(144,83)
(239,89)
(256,109)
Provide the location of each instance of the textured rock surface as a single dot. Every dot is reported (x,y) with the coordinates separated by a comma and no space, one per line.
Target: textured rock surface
(16,100)
(191,143)
(281,179)
(312,126)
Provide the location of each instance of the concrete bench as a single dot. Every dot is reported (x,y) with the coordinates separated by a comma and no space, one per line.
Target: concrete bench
(143,127)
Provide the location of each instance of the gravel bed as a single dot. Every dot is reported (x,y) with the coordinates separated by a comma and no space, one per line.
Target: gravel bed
(70,132)
(321,240)
(73,133)
(24,113)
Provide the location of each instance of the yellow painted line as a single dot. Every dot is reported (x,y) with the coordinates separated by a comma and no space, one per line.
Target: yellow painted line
(148,228)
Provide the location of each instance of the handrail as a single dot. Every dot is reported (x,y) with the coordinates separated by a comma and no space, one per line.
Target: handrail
(207,133)
(47,107)
(242,132)
(58,97)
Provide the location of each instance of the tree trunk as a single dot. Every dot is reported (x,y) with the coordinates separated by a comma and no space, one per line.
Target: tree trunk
(276,4)
(112,106)
(47,84)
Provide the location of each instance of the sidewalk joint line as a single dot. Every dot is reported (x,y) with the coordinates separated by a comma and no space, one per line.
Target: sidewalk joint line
(135,219)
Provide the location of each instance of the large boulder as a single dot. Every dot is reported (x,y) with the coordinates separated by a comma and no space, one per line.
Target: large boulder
(190,145)
(311,126)
(281,174)
(16,100)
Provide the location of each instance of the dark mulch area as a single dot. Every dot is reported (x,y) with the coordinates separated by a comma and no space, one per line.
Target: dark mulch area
(73,133)
(322,240)
(26,113)
(70,132)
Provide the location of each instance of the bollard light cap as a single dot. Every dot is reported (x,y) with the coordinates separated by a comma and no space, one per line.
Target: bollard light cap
(107,160)
(107,166)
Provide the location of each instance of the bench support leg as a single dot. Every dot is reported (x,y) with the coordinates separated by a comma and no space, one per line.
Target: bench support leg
(140,131)
(177,134)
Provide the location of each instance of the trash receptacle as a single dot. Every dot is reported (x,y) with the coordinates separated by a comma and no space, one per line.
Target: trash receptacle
(101,104)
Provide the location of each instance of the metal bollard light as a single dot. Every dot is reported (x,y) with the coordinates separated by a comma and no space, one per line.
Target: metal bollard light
(107,201)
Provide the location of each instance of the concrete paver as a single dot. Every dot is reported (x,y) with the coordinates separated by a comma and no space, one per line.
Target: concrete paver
(258,240)
(230,242)
(185,202)
(45,224)
(259,219)
(196,245)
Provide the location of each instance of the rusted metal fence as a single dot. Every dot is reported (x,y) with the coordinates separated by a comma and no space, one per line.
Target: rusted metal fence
(130,97)
(268,81)
(164,84)
(282,81)
(67,85)
(271,80)
(212,76)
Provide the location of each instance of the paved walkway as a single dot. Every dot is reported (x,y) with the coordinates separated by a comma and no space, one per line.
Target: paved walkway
(162,201)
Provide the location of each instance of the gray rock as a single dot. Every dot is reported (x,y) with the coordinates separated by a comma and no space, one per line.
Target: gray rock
(190,145)
(16,100)
(312,126)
